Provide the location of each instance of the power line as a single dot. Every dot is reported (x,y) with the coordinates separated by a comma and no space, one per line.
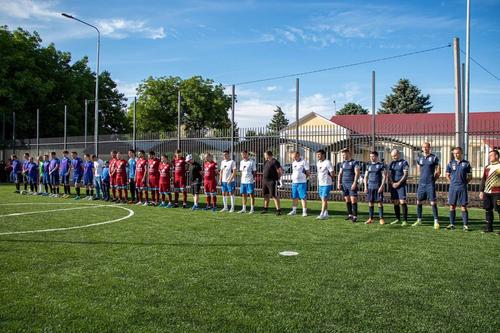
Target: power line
(482,67)
(340,66)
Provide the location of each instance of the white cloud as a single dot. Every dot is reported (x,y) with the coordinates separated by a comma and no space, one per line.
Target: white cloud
(122,28)
(272,88)
(26,9)
(127,88)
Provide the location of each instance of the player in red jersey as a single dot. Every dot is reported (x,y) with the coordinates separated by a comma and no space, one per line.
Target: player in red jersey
(112,174)
(165,181)
(121,177)
(154,177)
(180,179)
(210,181)
(141,178)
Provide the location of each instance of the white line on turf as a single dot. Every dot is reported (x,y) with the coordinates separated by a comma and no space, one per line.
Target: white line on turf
(130,214)
(51,210)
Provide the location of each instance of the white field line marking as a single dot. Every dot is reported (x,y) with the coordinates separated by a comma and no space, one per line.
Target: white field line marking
(130,214)
(50,211)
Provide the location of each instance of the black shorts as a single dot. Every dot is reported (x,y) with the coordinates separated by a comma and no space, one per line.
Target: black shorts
(491,202)
(269,188)
(195,188)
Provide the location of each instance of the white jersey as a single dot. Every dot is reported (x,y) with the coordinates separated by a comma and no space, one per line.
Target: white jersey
(227,168)
(98,165)
(324,169)
(247,168)
(299,169)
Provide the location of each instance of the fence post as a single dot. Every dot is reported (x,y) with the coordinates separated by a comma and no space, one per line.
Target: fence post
(65,126)
(233,88)
(179,119)
(85,121)
(462,125)
(373,110)
(297,100)
(37,132)
(134,124)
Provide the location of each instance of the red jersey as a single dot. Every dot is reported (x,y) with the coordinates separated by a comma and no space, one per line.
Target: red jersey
(164,173)
(112,166)
(140,167)
(210,169)
(121,168)
(180,168)
(154,167)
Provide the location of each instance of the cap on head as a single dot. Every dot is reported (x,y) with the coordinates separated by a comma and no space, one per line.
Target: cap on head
(189,158)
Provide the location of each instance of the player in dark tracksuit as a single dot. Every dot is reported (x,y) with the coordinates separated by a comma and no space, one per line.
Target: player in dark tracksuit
(398,173)
(459,173)
(429,170)
(375,178)
(490,189)
(347,182)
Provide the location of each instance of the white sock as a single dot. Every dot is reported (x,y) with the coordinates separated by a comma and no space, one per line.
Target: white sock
(224,201)
(304,210)
(251,207)
(294,209)
(243,207)
(232,201)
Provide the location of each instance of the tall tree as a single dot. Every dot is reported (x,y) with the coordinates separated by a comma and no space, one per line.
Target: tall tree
(278,121)
(204,105)
(405,98)
(352,108)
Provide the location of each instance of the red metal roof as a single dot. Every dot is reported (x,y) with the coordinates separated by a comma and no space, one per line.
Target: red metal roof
(422,123)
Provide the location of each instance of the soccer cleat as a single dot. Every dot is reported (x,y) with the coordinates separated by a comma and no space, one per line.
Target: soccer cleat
(145,203)
(169,205)
(176,205)
(404,224)
(243,211)
(224,209)
(369,221)
(251,211)
(465,228)
(195,207)
(231,210)
(264,211)
(139,203)
(381,221)
(304,214)
(321,217)
(207,208)
(162,204)
(214,209)
(278,212)
(416,224)
(77,198)
(450,227)
(396,221)
(184,206)
(436,226)
(293,212)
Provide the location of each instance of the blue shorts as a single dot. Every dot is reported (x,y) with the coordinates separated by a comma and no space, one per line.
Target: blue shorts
(374,195)
(398,193)
(299,191)
(247,188)
(17,177)
(32,180)
(45,179)
(426,192)
(77,179)
(54,179)
(228,187)
(346,190)
(65,179)
(458,196)
(324,191)
(88,180)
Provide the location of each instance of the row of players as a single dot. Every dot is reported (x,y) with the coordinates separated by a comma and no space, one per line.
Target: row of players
(152,175)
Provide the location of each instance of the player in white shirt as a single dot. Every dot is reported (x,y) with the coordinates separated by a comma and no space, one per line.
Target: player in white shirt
(247,184)
(228,180)
(300,173)
(326,174)
(98,166)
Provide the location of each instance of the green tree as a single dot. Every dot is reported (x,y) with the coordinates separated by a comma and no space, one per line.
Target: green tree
(405,98)
(278,121)
(352,108)
(204,105)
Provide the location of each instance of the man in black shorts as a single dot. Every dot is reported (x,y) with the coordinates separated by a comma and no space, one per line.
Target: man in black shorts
(270,177)
(196,180)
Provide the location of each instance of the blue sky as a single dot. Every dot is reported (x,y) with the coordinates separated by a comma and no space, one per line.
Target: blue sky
(237,41)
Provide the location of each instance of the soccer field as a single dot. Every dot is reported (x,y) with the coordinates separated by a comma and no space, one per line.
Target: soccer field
(150,269)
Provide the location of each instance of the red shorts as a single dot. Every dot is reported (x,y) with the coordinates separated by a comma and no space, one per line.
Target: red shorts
(112,180)
(154,183)
(164,187)
(180,184)
(210,185)
(140,181)
(121,181)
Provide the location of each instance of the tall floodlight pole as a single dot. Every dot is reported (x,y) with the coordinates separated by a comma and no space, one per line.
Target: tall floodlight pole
(458,93)
(233,96)
(96,104)
(373,110)
(467,83)
(297,112)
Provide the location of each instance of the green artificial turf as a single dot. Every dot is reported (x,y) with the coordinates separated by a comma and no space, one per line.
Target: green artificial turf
(174,270)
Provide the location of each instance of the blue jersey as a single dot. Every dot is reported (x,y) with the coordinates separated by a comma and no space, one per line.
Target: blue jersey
(427,168)
(349,171)
(25,165)
(54,164)
(88,169)
(77,165)
(105,173)
(46,165)
(64,165)
(397,169)
(32,170)
(131,168)
(375,173)
(16,166)
(458,171)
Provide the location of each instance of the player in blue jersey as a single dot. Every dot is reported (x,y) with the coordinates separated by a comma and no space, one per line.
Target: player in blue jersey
(25,170)
(132,162)
(32,174)
(347,182)
(54,173)
(64,170)
(88,176)
(17,172)
(375,178)
(398,174)
(45,175)
(429,170)
(77,167)
(459,173)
